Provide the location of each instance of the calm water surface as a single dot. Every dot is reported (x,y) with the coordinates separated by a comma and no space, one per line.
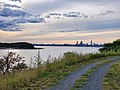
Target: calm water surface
(50,50)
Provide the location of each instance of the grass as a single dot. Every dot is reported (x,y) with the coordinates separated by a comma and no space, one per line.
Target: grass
(112,79)
(49,74)
(80,83)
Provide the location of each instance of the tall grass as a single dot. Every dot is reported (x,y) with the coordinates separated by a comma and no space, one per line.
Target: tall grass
(17,80)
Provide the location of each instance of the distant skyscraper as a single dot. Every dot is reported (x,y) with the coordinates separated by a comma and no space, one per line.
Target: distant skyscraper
(77,43)
(91,43)
(81,43)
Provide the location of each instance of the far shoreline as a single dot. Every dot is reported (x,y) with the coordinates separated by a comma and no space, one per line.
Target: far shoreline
(20,49)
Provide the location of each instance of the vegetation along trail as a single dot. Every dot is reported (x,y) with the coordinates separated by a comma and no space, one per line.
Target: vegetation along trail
(69,81)
(97,77)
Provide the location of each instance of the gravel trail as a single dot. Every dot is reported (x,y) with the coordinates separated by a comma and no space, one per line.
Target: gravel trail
(69,80)
(97,77)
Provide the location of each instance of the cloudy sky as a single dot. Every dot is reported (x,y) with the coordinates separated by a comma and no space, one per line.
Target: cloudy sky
(59,21)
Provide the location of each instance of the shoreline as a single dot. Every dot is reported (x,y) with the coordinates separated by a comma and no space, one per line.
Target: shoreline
(19,49)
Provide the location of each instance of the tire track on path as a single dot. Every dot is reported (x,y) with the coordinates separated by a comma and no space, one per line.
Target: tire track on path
(97,77)
(69,80)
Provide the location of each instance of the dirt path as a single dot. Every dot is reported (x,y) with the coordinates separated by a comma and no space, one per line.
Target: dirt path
(69,81)
(97,77)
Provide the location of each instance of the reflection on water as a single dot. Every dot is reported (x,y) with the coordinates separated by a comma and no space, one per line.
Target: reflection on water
(50,50)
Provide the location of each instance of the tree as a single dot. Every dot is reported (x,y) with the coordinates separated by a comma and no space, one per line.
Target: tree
(38,60)
(114,46)
(11,62)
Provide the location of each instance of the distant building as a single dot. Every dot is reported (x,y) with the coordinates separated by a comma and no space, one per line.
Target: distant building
(91,43)
(77,43)
(81,43)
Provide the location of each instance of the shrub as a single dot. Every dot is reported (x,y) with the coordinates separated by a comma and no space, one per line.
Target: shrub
(11,62)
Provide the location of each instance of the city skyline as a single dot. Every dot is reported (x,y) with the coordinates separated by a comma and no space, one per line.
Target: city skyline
(63,21)
(78,44)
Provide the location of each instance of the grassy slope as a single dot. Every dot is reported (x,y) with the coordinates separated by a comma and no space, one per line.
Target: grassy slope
(112,79)
(50,73)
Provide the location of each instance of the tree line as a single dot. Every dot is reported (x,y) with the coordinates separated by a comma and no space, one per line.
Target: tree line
(114,46)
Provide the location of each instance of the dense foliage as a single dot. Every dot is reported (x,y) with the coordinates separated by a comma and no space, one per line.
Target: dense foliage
(114,46)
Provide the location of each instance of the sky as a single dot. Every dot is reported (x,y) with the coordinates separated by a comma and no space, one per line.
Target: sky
(59,21)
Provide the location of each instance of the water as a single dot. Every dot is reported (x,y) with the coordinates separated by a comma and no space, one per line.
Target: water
(50,50)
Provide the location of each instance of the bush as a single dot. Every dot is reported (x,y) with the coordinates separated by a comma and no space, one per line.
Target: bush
(114,46)
(11,62)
